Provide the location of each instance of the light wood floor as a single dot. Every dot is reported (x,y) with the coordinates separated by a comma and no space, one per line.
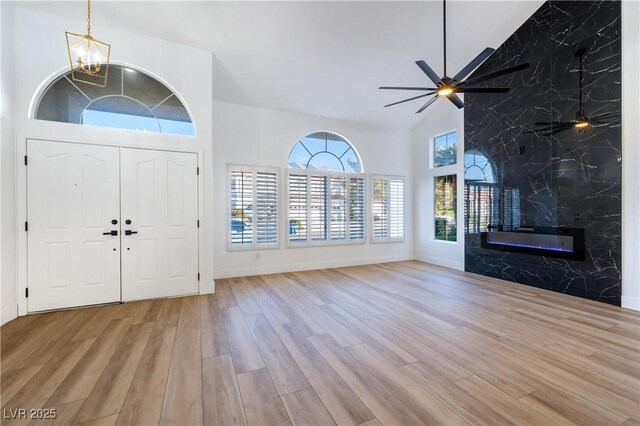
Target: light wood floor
(399,343)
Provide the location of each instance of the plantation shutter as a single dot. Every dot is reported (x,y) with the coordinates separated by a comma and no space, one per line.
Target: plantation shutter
(266,208)
(253,208)
(338,215)
(298,203)
(241,193)
(388,208)
(396,208)
(318,207)
(380,208)
(356,208)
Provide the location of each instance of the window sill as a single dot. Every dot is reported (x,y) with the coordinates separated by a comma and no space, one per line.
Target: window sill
(327,243)
(252,247)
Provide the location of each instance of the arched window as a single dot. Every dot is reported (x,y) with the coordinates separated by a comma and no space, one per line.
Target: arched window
(324,151)
(326,191)
(478,168)
(131,100)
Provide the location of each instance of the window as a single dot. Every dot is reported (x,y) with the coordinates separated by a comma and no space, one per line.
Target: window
(327,197)
(131,100)
(387,208)
(445,207)
(324,151)
(444,149)
(326,208)
(253,208)
(480,193)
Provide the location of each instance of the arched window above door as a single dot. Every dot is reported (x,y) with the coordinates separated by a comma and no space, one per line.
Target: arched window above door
(131,100)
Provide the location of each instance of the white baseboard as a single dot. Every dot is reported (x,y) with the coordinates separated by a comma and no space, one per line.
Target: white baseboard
(631,302)
(9,312)
(307,266)
(447,263)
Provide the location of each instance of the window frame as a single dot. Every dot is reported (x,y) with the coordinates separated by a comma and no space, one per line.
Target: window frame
(254,242)
(63,74)
(389,239)
(339,135)
(432,150)
(455,206)
(328,241)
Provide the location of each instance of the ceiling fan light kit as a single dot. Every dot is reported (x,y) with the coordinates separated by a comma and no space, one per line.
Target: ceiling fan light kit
(448,87)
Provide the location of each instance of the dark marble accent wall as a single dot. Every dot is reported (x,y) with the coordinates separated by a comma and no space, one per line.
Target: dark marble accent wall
(565,180)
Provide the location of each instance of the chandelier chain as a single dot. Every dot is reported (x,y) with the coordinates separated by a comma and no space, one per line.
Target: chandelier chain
(89,17)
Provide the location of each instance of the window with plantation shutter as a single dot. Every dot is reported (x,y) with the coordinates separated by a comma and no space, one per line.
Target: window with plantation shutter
(253,208)
(356,208)
(325,208)
(298,207)
(387,208)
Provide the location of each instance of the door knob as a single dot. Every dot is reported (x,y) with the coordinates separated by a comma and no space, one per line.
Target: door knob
(129,232)
(112,233)
(128,221)
(114,222)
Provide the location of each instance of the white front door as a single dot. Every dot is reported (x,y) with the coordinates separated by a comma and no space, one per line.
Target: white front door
(73,196)
(159,224)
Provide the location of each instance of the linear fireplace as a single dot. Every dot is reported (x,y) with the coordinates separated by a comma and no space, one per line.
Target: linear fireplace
(565,243)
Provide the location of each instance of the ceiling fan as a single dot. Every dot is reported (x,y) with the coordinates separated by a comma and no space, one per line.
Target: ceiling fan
(447,86)
(581,122)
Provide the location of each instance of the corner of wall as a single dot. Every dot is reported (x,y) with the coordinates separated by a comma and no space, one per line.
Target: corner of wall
(630,155)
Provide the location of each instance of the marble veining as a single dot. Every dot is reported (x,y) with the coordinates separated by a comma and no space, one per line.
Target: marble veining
(568,179)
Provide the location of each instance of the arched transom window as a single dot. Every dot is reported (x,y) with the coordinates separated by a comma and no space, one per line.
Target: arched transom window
(324,151)
(131,100)
(478,168)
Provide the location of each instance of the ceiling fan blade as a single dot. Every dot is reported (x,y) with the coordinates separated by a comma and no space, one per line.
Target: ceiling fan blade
(427,104)
(475,63)
(407,88)
(410,99)
(455,100)
(492,75)
(429,72)
(483,90)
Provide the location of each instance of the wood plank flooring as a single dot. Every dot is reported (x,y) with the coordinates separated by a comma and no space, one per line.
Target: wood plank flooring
(402,343)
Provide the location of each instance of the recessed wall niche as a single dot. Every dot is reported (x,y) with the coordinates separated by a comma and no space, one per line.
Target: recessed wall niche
(571,179)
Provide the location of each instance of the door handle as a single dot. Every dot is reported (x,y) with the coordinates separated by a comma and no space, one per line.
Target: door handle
(129,232)
(112,233)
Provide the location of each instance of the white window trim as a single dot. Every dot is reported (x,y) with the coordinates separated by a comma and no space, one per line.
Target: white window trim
(328,242)
(432,185)
(432,151)
(375,240)
(254,245)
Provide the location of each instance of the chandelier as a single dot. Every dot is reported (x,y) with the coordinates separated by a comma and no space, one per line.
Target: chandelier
(88,57)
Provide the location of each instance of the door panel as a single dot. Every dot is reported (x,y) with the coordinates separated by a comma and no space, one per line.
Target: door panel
(159,197)
(73,195)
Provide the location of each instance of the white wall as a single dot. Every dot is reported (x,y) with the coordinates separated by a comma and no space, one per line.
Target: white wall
(255,136)
(8,300)
(441,117)
(630,155)
(187,70)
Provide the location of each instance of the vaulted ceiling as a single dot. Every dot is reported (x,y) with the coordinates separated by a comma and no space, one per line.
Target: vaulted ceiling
(320,58)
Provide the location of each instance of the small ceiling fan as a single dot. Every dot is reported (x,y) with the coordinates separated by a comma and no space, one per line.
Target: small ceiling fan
(581,122)
(447,86)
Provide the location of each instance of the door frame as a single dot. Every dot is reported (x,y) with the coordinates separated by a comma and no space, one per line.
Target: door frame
(22,254)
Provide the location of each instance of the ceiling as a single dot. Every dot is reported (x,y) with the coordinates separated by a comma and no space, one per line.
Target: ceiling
(319,58)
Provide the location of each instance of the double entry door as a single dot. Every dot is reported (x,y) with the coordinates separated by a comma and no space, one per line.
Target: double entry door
(108,224)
